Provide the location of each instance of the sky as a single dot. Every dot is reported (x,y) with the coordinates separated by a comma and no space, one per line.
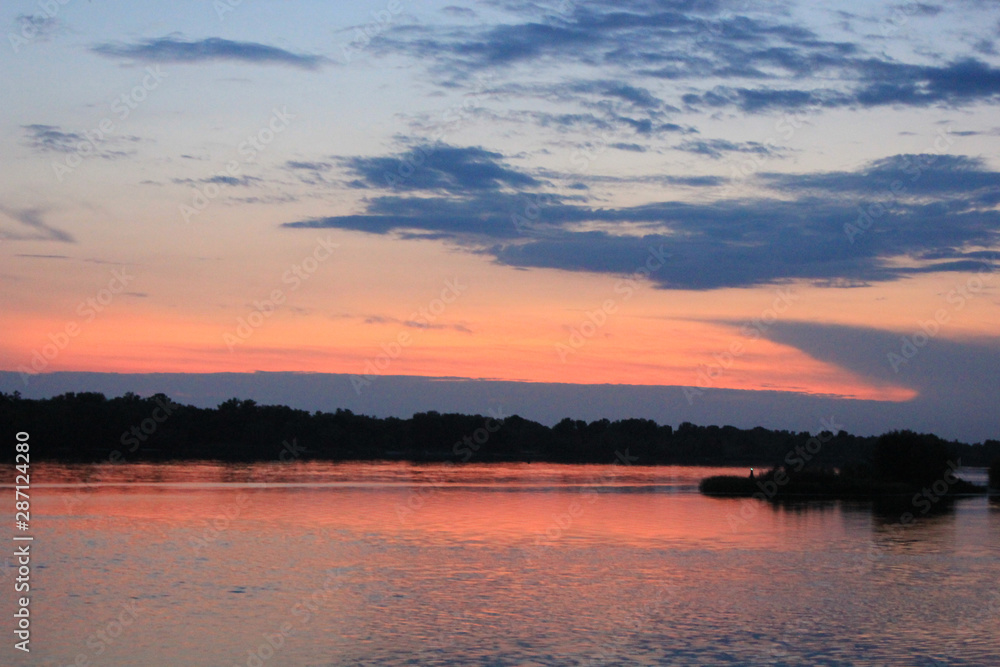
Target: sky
(792,205)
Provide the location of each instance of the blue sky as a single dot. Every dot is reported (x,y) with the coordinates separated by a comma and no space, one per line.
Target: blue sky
(681,161)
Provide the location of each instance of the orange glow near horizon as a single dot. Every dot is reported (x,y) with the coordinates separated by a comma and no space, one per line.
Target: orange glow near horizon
(637,356)
(381,307)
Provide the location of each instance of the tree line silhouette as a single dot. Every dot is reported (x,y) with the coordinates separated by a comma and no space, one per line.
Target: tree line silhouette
(89,427)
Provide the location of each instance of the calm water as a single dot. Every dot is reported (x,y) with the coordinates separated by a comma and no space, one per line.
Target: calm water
(395,564)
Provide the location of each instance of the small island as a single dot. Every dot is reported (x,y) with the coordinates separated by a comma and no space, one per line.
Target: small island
(903,464)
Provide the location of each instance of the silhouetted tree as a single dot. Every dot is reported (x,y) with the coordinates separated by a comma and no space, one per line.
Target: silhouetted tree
(911,458)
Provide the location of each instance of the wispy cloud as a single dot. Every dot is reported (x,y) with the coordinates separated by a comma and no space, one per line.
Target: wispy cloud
(309,166)
(54,139)
(310,172)
(174,50)
(38,256)
(716,148)
(51,138)
(32,219)
(244,181)
(381,319)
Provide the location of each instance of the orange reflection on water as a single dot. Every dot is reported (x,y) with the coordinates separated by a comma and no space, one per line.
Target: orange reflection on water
(485,564)
(532,505)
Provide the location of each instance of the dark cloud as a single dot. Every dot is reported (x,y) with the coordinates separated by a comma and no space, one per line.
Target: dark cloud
(438,167)
(606,118)
(762,62)
(767,99)
(675,40)
(232,180)
(901,175)
(635,148)
(695,181)
(172,50)
(486,216)
(507,44)
(876,83)
(639,97)
(804,235)
(651,179)
(934,368)
(962,81)
(987,47)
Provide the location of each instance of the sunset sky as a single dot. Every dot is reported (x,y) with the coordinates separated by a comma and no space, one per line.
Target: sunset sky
(780,197)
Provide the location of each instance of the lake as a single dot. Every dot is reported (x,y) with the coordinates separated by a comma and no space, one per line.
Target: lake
(512,564)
